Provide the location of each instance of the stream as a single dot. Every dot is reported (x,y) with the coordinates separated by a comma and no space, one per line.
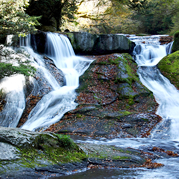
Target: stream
(61,99)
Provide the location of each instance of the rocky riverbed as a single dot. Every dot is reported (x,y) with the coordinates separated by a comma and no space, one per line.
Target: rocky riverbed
(112,101)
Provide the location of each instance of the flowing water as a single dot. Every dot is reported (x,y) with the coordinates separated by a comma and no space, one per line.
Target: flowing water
(147,57)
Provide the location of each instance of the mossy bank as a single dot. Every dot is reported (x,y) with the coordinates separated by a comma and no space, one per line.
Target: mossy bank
(169,67)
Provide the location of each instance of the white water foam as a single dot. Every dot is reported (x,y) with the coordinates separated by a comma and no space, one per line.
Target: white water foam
(52,106)
(15,100)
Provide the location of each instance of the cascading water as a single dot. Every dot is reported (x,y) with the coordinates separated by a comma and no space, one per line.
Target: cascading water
(52,106)
(147,57)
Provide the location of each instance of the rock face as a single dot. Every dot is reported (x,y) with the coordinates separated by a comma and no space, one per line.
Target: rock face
(112,101)
(175,46)
(86,43)
(169,67)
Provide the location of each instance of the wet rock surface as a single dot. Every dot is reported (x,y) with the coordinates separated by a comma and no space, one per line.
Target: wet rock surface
(85,43)
(112,102)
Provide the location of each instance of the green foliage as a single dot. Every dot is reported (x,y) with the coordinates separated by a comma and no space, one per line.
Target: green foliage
(175,20)
(14,20)
(138,5)
(8,69)
(50,10)
(155,16)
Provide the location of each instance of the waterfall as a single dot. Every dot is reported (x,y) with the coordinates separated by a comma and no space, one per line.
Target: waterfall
(147,57)
(56,103)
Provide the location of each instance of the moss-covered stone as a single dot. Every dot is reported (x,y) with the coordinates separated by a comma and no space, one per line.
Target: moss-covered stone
(127,69)
(169,67)
(71,37)
(112,156)
(175,46)
(37,150)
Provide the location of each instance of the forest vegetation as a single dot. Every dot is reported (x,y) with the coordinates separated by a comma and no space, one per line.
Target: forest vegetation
(96,16)
(102,16)
(22,17)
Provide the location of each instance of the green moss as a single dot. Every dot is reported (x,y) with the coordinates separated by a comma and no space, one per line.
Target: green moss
(8,69)
(130,100)
(144,119)
(130,69)
(169,67)
(126,113)
(79,115)
(114,61)
(123,113)
(120,157)
(175,46)
(48,149)
(102,63)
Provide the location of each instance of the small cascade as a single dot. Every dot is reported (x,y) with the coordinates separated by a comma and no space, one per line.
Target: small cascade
(147,57)
(169,48)
(56,103)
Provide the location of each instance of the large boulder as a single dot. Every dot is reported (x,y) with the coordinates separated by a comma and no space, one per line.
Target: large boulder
(169,67)
(36,153)
(86,43)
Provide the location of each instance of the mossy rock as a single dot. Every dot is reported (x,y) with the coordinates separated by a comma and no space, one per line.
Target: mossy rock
(25,149)
(175,46)
(106,155)
(169,67)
